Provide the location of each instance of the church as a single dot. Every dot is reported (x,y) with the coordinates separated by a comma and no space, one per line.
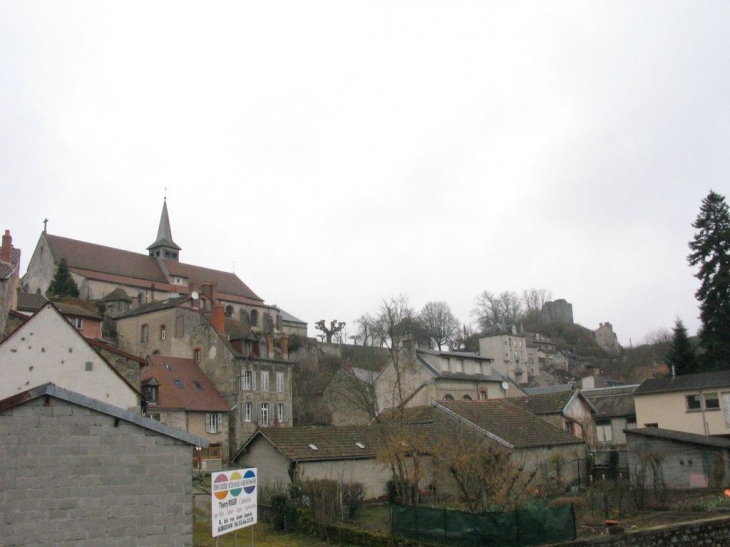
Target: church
(124,280)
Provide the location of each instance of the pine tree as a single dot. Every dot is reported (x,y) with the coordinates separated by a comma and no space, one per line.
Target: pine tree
(63,283)
(710,248)
(681,358)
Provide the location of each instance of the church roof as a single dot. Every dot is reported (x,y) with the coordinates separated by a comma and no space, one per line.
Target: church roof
(164,232)
(138,270)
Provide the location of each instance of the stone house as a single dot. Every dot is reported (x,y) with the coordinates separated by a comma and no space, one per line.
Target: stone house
(79,471)
(506,346)
(178,393)
(252,375)
(568,410)
(122,278)
(9,278)
(420,376)
(677,460)
(540,354)
(692,403)
(47,348)
(606,338)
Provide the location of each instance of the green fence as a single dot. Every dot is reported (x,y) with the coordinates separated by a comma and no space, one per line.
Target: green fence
(538,525)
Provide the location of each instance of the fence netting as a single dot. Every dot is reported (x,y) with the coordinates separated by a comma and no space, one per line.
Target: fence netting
(536,525)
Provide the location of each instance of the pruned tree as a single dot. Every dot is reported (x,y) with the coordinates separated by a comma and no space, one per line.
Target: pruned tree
(711,254)
(63,283)
(681,357)
(439,323)
(491,309)
(334,328)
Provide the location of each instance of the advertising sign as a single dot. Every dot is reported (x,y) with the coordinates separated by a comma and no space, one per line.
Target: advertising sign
(233,500)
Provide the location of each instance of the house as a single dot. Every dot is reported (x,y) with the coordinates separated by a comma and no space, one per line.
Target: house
(79,471)
(540,354)
(677,460)
(122,278)
(346,453)
(421,375)
(606,338)
(506,346)
(692,403)
(246,368)
(9,278)
(178,393)
(615,413)
(350,396)
(568,410)
(47,348)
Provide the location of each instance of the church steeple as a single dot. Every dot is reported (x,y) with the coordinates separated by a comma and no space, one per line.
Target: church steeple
(164,246)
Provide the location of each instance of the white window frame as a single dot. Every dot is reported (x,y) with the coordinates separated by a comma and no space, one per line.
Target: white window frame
(264,380)
(604,432)
(213,422)
(247,380)
(264,416)
(281,413)
(280,382)
(247,411)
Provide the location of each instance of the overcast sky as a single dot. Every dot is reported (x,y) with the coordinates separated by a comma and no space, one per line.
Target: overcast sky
(337,153)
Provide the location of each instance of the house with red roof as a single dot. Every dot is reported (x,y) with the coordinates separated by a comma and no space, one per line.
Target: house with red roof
(178,393)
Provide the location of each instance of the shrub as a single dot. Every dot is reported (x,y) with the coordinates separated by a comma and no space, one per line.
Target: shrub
(353,497)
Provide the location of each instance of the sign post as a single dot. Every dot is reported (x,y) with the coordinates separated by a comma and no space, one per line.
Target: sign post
(233,501)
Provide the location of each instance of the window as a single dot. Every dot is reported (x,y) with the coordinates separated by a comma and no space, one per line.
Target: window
(247,380)
(179,383)
(77,322)
(264,415)
(198,384)
(448,397)
(264,380)
(196,355)
(254,318)
(568,426)
(155,416)
(466,398)
(604,433)
(179,327)
(281,413)
(247,411)
(163,332)
(694,402)
(151,393)
(213,422)
(712,402)
(280,381)
(145,334)
(482,395)
(229,311)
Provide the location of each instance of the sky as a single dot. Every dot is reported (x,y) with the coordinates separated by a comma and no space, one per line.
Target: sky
(335,154)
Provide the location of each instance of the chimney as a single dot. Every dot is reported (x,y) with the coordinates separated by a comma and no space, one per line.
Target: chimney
(284,345)
(270,345)
(7,248)
(218,318)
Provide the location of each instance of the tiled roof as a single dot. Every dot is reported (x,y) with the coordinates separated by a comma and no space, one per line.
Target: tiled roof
(548,389)
(183,385)
(31,301)
(116,265)
(680,436)
(314,443)
(545,403)
(6,270)
(717,379)
(507,421)
(612,401)
(157,305)
(79,311)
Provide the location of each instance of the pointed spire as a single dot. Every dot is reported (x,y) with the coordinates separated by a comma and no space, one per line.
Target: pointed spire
(164,246)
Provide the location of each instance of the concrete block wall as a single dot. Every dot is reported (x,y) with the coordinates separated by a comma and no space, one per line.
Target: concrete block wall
(70,477)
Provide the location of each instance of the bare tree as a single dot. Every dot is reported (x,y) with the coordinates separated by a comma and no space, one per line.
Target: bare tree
(491,309)
(334,328)
(439,323)
(534,300)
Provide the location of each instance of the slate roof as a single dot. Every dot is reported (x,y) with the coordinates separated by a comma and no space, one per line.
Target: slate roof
(78,311)
(289,318)
(138,270)
(157,305)
(612,401)
(548,389)
(516,426)
(680,436)
(546,403)
(183,386)
(687,382)
(332,443)
(52,390)
(30,302)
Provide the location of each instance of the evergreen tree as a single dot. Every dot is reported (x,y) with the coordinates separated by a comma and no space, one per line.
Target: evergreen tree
(681,357)
(710,248)
(63,283)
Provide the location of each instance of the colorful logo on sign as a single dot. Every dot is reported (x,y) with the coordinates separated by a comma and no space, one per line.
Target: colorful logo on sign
(224,484)
(249,481)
